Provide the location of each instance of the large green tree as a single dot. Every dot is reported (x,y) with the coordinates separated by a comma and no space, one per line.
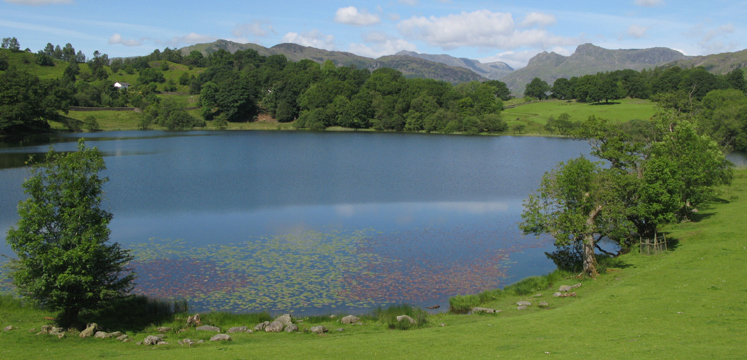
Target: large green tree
(65,260)
(26,102)
(538,88)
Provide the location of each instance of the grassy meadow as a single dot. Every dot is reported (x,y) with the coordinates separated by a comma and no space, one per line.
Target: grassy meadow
(534,115)
(689,302)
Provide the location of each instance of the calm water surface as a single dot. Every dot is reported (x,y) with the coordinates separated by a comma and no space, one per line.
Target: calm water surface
(313,222)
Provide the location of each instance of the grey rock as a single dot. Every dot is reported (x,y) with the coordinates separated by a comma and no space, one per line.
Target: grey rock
(523,303)
(115,334)
(101,335)
(543,304)
(9,328)
(275,326)
(557,294)
(57,331)
(89,331)
(284,319)
(319,329)
(350,319)
(249,331)
(221,337)
(482,309)
(162,343)
(186,342)
(340,329)
(127,340)
(194,320)
(576,286)
(261,326)
(200,341)
(163,329)
(152,340)
(45,329)
(139,343)
(522,307)
(405,318)
(237,329)
(565,288)
(333,316)
(123,338)
(291,328)
(537,295)
(208,328)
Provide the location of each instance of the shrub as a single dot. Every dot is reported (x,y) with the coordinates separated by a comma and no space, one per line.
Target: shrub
(90,123)
(462,304)
(389,315)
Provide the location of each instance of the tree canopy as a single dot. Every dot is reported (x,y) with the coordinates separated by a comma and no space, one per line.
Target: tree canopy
(65,260)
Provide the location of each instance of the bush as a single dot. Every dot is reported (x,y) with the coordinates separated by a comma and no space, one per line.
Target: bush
(389,315)
(91,124)
(462,304)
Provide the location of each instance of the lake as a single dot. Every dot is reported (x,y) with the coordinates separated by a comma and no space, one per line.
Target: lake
(313,222)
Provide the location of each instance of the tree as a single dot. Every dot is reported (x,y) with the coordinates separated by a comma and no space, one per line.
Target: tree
(576,201)
(65,260)
(26,102)
(11,43)
(538,88)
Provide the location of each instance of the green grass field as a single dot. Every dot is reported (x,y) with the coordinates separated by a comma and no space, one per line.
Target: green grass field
(535,115)
(687,303)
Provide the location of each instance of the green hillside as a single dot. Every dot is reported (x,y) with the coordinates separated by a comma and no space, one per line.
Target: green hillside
(686,303)
(535,115)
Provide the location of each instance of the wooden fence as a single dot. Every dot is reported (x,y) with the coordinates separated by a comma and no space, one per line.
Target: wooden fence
(653,246)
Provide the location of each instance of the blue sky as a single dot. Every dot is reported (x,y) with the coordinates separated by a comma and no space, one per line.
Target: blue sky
(510,31)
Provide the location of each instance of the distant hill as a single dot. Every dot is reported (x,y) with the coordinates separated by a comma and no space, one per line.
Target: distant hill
(493,71)
(716,63)
(588,59)
(409,66)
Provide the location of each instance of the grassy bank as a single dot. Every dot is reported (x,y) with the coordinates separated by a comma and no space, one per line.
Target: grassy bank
(533,116)
(690,302)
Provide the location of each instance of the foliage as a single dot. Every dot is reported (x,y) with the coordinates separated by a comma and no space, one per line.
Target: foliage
(91,124)
(537,88)
(26,102)
(65,261)
(389,315)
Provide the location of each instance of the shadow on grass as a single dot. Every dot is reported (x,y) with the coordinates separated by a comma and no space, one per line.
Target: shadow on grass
(135,313)
(605,103)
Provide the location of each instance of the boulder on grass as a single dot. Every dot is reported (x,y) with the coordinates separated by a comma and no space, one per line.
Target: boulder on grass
(220,337)
(237,329)
(261,326)
(291,328)
(319,329)
(284,319)
(208,328)
(89,331)
(102,335)
(275,326)
(405,318)
(152,340)
(350,319)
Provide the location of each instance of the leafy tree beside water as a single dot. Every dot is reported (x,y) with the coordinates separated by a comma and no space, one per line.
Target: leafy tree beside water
(65,260)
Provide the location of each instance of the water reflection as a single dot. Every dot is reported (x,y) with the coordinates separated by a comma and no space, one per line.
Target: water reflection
(383,213)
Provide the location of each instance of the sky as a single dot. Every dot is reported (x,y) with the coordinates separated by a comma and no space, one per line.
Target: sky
(508,31)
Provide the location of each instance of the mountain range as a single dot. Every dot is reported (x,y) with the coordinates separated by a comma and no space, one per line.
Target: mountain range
(587,59)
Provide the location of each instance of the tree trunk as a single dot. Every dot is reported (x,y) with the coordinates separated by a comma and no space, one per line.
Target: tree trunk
(590,261)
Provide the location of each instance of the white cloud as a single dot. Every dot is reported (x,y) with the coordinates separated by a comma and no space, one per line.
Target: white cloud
(713,40)
(256,28)
(380,44)
(538,19)
(408,2)
(481,28)
(189,39)
(649,3)
(118,39)
(637,31)
(352,16)
(313,38)
(39,2)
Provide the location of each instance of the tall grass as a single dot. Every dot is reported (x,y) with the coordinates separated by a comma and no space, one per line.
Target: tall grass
(461,304)
(389,315)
